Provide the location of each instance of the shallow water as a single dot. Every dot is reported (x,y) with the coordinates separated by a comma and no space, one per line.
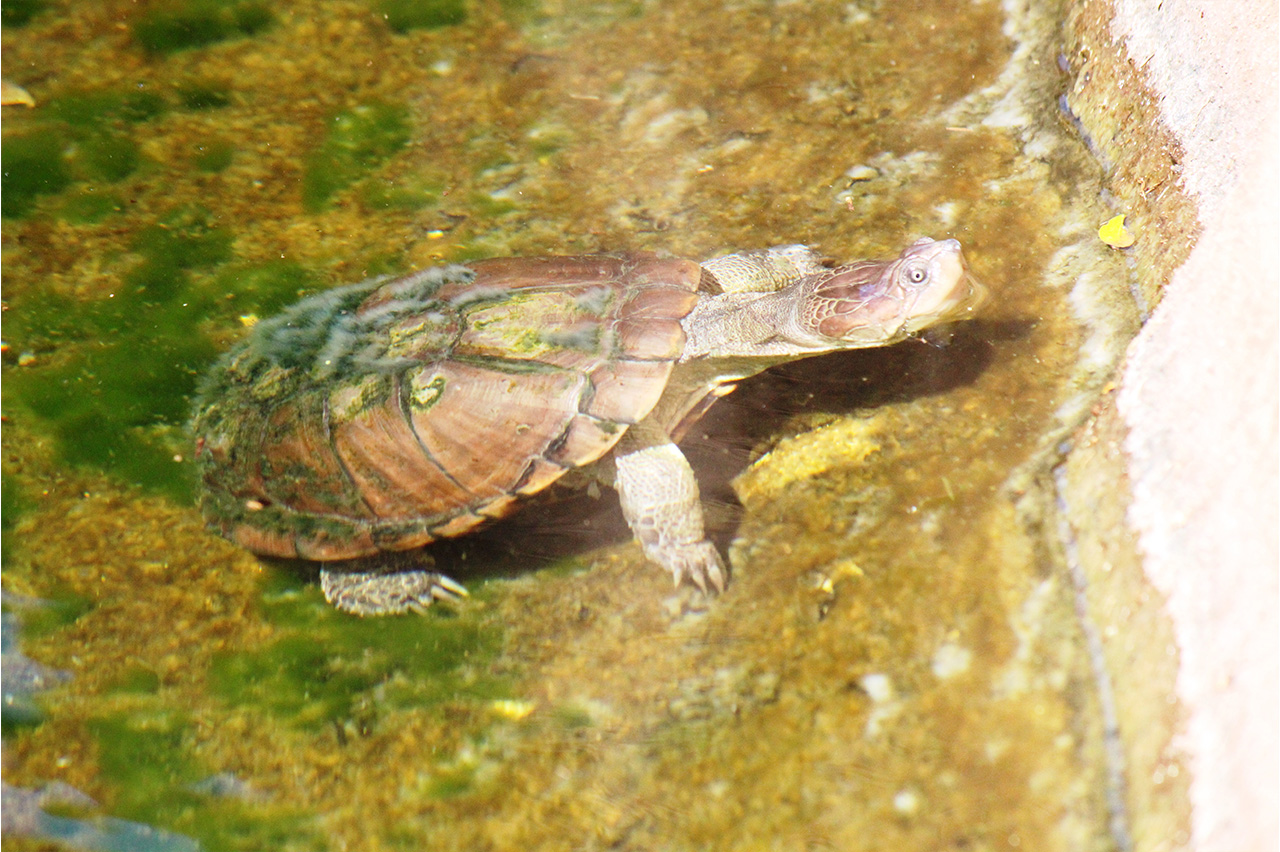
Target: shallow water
(896,661)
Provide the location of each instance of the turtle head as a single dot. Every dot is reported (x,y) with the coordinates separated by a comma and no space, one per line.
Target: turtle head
(873,303)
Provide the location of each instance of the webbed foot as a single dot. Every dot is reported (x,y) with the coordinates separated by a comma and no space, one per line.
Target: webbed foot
(387,592)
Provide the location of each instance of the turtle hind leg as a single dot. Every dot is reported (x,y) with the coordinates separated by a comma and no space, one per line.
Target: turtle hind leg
(389,591)
(659,498)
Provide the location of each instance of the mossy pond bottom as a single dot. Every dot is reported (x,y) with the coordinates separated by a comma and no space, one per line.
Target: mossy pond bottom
(896,662)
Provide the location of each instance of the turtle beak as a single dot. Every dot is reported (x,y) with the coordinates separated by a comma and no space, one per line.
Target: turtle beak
(978,294)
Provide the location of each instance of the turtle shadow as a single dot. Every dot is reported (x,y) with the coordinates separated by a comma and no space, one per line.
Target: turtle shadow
(562,523)
(729,437)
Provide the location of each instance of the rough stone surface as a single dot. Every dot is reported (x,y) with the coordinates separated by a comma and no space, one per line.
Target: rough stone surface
(1215,66)
(1199,399)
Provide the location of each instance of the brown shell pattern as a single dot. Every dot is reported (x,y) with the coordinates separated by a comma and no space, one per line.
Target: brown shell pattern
(384,415)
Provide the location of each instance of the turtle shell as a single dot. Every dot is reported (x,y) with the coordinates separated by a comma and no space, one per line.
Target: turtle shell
(383,415)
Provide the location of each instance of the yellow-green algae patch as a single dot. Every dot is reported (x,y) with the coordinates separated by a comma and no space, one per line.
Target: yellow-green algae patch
(803,457)
(894,663)
(188,666)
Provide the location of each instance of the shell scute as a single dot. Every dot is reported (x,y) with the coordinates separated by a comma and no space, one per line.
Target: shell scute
(266,541)
(422,337)
(463,523)
(586,439)
(659,303)
(227,447)
(650,340)
(559,328)
(393,476)
(538,476)
(486,426)
(625,391)
(347,542)
(508,274)
(665,271)
(300,466)
(499,507)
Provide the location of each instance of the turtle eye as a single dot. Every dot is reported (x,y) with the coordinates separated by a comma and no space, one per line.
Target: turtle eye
(917,275)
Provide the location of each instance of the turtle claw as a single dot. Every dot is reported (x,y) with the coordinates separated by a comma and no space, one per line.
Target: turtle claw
(698,562)
(387,592)
(447,589)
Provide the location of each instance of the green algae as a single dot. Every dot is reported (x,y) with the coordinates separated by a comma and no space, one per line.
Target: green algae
(59,608)
(98,126)
(356,141)
(261,289)
(81,135)
(39,321)
(18,13)
(204,94)
(292,680)
(87,108)
(100,402)
(146,757)
(148,763)
(380,263)
(230,826)
(34,165)
(135,679)
(136,359)
(20,714)
(13,502)
(452,782)
(184,240)
(141,104)
(188,24)
(107,156)
(405,15)
(327,667)
(213,156)
(90,206)
(490,207)
(380,195)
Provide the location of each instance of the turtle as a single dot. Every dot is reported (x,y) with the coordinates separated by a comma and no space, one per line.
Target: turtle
(377,417)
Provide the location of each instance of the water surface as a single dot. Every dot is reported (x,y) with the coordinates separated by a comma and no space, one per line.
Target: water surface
(895,663)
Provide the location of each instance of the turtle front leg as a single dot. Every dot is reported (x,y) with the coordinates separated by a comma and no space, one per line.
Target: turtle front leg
(760,270)
(659,497)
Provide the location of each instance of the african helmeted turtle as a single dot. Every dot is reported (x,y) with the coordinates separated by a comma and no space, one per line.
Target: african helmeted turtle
(381,416)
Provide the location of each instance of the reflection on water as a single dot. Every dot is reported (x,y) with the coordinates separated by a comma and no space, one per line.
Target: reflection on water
(895,662)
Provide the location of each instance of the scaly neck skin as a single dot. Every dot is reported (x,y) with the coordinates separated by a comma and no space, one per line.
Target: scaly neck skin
(730,336)
(750,326)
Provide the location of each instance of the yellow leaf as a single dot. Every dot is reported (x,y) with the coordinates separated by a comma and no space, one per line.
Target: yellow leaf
(1115,234)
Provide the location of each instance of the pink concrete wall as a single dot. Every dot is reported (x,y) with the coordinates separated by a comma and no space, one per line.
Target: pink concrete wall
(1201,400)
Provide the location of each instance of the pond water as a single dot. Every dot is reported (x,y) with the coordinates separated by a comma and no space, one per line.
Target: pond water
(896,662)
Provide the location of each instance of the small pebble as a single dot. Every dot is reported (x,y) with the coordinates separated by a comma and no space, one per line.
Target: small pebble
(14,95)
(512,708)
(906,802)
(951,660)
(878,686)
